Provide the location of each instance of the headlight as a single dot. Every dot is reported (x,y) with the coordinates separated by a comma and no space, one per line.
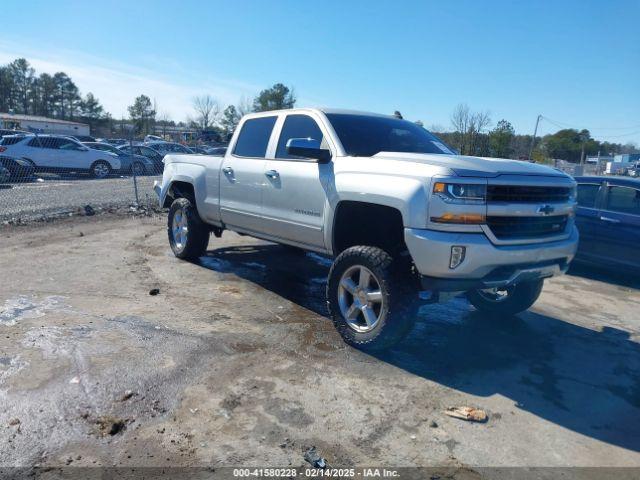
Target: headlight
(461,193)
(573,194)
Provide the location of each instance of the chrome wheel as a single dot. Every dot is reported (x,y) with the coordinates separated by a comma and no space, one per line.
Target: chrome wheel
(499,294)
(179,229)
(100,170)
(360,298)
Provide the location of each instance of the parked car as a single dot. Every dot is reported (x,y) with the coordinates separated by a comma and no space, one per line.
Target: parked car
(4,132)
(634,170)
(393,205)
(199,149)
(168,147)
(117,141)
(83,138)
(216,151)
(153,138)
(4,175)
(129,163)
(19,169)
(58,154)
(145,151)
(608,218)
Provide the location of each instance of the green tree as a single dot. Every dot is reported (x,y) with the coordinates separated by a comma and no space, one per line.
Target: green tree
(142,114)
(23,76)
(90,107)
(568,144)
(229,121)
(67,96)
(278,97)
(500,139)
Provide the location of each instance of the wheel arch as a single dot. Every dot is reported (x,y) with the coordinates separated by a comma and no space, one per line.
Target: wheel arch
(366,223)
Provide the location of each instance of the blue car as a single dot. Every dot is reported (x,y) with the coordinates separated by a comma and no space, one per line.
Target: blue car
(608,218)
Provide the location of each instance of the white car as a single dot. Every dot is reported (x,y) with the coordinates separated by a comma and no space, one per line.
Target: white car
(58,154)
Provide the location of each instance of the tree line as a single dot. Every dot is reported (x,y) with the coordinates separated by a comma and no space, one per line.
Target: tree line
(54,96)
(57,96)
(470,134)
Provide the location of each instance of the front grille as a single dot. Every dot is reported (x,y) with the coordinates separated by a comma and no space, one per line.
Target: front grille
(527,194)
(512,228)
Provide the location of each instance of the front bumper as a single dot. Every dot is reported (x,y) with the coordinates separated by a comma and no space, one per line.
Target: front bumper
(485,265)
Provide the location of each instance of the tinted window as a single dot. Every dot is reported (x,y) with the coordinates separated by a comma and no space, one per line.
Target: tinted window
(623,200)
(366,135)
(10,140)
(254,137)
(64,144)
(587,195)
(297,126)
(44,142)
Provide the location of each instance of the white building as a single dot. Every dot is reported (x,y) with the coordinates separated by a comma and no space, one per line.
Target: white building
(32,123)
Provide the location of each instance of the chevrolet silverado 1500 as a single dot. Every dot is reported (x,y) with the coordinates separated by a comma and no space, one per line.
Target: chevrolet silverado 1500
(396,209)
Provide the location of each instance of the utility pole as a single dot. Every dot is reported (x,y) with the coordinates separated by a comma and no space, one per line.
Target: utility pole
(533,140)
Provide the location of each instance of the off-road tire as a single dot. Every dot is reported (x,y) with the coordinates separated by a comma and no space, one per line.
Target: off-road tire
(522,296)
(198,234)
(400,298)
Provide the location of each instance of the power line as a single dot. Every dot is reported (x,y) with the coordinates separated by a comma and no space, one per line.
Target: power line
(563,124)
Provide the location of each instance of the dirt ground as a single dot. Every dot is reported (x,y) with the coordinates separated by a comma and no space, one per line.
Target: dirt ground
(235,363)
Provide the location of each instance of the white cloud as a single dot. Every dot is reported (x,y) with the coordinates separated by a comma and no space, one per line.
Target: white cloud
(117,84)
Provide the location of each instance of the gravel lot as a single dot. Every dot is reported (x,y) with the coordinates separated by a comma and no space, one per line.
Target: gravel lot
(52,197)
(234,363)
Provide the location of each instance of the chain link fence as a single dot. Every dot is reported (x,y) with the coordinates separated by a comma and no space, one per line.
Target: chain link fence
(46,176)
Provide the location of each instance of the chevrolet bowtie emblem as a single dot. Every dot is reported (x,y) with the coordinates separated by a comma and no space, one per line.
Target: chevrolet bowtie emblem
(546,209)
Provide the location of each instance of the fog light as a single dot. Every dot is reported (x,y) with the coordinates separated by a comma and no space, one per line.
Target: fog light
(457,256)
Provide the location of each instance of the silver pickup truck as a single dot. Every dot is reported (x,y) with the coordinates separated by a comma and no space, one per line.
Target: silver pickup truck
(397,210)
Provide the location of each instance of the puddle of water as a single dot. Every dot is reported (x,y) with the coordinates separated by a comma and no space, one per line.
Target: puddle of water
(319,259)
(24,306)
(254,264)
(215,264)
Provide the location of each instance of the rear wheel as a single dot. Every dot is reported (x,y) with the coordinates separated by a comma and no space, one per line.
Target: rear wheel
(507,300)
(371,300)
(188,234)
(100,169)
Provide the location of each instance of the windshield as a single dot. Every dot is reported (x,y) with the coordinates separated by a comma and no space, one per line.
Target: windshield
(366,135)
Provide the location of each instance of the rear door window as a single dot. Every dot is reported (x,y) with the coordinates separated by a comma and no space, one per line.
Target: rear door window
(254,137)
(588,195)
(623,200)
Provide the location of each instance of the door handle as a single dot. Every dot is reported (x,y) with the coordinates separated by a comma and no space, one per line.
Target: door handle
(227,170)
(272,174)
(608,219)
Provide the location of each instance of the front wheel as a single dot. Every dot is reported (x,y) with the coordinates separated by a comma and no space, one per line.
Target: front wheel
(508,300)
(370,298)
(100,169)
(188,234)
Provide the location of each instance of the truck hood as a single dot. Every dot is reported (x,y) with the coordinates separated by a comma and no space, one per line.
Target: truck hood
(466,166)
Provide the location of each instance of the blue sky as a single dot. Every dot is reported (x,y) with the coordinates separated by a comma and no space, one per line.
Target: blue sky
(575,62)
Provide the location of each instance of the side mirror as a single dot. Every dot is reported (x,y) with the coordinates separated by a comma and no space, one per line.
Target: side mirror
(308,148)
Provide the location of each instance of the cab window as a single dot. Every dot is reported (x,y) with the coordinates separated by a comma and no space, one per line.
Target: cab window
(254,137)
(588,195)
(623,200)
(297,126)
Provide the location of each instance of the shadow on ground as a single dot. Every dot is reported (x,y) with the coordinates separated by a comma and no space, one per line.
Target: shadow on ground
(583,378)
(607,275)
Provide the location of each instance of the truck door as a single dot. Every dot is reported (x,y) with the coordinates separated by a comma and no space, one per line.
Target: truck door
(242,176)
(588,218)
(294,196)
(619,230)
